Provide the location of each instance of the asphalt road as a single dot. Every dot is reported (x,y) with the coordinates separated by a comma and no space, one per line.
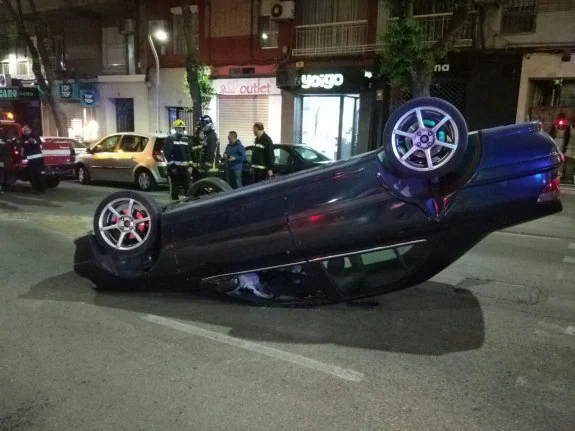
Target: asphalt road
(487,345)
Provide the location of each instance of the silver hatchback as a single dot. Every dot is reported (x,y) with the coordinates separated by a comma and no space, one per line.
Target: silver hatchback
(125,158)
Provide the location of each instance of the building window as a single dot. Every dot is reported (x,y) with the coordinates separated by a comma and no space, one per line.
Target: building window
(330,11)
(268,32)
(181,113)
(114,49)
(518,16)
(178,36)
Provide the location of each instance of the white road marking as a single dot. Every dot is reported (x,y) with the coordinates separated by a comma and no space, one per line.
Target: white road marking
(302,361)
(569,259)
(572,246)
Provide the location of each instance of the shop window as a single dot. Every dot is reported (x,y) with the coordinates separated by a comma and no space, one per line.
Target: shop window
(178,36)
(268,32)
(518,16)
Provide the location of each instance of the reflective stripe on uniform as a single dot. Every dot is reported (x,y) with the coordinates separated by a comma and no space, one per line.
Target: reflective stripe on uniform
(258,167)
(259,146)
(181,143)
(35,156)
(177,163)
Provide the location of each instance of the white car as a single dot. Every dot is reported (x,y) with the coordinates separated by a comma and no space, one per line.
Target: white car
(125,158)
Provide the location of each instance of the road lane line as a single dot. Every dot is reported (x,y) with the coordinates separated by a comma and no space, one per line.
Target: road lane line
(569,259)
(302,361)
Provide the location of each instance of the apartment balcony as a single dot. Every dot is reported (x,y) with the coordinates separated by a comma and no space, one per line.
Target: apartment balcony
(435,26)
(338,38)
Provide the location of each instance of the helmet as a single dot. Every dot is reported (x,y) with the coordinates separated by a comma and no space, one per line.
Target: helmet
(206,123)
(178,124)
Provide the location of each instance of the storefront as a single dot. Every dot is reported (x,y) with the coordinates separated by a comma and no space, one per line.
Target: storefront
(327,107)
(241,102)
(547,88)
(21,104)
(78,101)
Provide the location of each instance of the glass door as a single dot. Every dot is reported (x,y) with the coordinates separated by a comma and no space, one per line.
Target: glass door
(329,124)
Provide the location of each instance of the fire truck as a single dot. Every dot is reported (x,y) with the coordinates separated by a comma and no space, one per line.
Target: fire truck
(59,155)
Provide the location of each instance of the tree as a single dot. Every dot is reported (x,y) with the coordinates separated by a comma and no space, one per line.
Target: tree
(40,53)
(197,80)
(406,58)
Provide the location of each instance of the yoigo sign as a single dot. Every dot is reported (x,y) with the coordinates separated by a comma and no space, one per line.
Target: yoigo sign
(325,80)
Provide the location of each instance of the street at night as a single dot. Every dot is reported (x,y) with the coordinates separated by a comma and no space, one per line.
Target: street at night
(487,344)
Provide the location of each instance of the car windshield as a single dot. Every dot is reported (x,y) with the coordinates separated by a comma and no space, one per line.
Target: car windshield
(310,155)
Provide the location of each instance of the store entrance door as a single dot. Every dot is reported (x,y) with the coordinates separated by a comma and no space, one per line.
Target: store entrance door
(329,124)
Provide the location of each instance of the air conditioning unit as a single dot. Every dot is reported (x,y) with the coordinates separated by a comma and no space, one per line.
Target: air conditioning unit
(5,80)
(288,78)
(282,10)
(126,26)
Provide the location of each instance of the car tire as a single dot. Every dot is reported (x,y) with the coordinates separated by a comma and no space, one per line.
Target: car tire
(51,182)
(208,186)
(83,175)
(424,150)
(117,225)
(145,180)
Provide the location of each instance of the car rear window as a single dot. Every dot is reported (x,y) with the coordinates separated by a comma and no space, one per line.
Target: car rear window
(159,145)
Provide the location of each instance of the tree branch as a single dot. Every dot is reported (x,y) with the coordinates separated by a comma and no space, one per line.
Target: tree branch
(456,25)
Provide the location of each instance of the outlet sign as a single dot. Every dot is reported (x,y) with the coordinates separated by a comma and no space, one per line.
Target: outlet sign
(326,81)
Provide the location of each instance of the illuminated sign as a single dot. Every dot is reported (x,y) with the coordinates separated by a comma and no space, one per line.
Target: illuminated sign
(327,81)
(441,68)
(8,93)
(246,87)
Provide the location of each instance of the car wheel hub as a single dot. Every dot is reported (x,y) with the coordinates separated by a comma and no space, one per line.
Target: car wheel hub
(144,180)
(421,147)
(125,224)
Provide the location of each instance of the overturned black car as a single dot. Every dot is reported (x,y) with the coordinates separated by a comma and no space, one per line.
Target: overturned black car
(378,222)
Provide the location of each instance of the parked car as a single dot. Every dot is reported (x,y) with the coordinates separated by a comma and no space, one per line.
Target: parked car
(377,222)
(289,158)
(58,155)
(125,158)
(79,147)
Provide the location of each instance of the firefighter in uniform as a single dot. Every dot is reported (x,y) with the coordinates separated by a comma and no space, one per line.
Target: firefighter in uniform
(177,154)
(196,153)
(212,147)
(32,152)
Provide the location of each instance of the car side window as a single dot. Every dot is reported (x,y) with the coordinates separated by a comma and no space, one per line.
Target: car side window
(283,157)
(133,144)
(107,145)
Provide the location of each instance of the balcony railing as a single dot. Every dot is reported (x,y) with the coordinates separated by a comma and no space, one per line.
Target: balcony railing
(338,38)
(436,25)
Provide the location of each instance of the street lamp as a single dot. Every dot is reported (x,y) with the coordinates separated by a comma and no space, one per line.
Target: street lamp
(162,36)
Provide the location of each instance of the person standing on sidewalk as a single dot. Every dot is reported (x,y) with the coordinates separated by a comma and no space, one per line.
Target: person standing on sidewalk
(263,156)
(235,156)
(32,152)
(177,154)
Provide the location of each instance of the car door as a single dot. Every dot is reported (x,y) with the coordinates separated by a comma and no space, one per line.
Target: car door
(101,161)
(284,162)
(127,156)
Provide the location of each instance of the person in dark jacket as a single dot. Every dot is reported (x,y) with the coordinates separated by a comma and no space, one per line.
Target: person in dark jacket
(212,146)
(32,152)
(177,154)
(263,156)
(235,156)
